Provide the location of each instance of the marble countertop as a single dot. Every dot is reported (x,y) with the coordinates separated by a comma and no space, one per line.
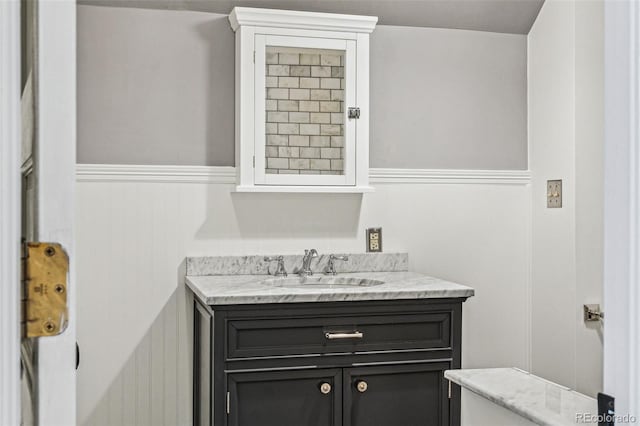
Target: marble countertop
(256,289)
(536,399)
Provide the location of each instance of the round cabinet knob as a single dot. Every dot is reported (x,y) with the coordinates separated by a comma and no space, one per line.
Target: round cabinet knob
(325,388)
(362,386)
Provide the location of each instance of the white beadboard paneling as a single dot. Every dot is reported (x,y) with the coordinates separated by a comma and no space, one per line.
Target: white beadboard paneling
(210,174)
(133,237)
(170,366)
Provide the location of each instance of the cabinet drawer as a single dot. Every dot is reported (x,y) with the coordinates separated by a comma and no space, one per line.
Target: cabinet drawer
(267,337)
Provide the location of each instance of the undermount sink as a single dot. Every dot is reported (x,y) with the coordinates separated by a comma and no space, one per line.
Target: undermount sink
(322,282)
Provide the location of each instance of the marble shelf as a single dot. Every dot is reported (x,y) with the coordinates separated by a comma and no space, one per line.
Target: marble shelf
(532,397)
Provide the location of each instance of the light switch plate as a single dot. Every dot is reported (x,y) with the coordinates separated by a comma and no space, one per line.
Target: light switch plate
(374,240)
(554,194)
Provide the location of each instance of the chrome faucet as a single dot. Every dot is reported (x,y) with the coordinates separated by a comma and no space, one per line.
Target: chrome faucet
(330,269)
(306,262)
(280,271)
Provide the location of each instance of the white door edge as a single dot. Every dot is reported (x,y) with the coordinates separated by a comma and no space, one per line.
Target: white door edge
(10,126)
(622,207)
(56,162)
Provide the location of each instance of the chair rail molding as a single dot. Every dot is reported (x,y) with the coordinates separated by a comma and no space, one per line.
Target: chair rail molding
(227,175)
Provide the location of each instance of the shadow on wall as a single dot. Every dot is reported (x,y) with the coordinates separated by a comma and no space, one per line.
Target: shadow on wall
(281,215)
(220,99)
(154,385)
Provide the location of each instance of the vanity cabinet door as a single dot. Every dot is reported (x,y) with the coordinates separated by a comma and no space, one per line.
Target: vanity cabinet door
(286,398)
(407,395)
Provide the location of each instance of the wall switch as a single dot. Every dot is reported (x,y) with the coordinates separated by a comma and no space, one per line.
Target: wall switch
(374,240)
(554,194)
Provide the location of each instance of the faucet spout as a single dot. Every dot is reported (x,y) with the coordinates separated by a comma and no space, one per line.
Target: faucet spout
(306,262)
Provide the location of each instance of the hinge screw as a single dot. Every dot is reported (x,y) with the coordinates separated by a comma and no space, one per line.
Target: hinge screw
(49,251)
(49,326)
(59,288)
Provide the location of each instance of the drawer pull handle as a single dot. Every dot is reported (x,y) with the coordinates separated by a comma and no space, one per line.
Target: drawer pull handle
(354,335)
(325,388)
(362,386)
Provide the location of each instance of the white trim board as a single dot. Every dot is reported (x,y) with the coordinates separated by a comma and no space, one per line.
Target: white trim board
(622,207)
(9,212)
(227,175)
(154,173)
(504,177)
(55,393)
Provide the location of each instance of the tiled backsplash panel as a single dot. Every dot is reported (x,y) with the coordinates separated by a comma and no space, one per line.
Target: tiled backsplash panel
(304,111)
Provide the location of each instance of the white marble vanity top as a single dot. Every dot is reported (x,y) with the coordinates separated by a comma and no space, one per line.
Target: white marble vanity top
(536,399)
(255,289)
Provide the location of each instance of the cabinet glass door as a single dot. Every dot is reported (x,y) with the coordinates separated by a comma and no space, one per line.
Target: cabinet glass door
(407,395)
(304,87)
(286,398)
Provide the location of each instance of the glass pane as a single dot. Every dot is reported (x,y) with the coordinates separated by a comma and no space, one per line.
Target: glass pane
(304,111)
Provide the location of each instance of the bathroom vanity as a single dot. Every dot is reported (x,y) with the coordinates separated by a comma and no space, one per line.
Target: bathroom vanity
(368,346)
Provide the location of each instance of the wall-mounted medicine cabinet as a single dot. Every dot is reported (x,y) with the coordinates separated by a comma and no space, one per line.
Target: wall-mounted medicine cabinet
(302,101)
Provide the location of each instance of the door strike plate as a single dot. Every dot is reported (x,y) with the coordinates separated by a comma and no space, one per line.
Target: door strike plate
(45,268)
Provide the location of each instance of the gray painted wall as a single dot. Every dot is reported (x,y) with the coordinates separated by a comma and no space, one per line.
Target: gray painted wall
(156,87)
(500,16)
(448,99)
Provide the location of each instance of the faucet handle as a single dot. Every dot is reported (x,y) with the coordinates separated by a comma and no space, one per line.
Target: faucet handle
(280,270)
(330,269)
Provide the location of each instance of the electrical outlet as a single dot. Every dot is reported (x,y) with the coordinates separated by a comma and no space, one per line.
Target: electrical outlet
(554,194)
(374,240)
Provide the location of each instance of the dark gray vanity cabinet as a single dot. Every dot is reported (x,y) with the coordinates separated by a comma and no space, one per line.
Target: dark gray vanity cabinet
(373,363)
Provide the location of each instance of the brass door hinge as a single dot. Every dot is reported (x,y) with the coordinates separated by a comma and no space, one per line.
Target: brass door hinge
(45,268)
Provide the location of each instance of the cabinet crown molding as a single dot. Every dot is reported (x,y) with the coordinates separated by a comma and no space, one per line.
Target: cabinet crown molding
(302,20)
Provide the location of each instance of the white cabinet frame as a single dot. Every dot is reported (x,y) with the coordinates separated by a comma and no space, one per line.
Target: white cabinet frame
(256,28)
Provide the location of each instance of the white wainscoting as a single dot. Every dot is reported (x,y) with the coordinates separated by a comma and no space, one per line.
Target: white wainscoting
(136,225)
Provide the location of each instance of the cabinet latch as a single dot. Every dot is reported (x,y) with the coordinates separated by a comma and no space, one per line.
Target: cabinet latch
(354,112)
(45,268)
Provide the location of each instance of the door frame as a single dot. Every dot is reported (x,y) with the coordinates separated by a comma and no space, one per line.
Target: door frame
(56,144)
(56,180)
(10,177)
(621,292)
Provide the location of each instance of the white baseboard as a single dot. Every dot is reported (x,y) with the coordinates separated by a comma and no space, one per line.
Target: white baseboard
(227,175)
